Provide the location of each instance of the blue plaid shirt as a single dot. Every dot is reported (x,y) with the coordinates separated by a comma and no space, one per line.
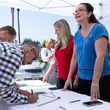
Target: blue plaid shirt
(10,60)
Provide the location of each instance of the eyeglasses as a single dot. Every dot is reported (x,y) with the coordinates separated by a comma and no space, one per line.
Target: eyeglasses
(79,10)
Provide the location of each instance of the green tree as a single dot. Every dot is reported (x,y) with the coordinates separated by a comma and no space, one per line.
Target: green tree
(28,40)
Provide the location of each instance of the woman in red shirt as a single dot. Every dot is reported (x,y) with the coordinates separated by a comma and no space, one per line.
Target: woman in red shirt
(63,53)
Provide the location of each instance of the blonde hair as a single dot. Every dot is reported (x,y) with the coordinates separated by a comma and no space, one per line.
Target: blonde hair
(47,43)
(65,32)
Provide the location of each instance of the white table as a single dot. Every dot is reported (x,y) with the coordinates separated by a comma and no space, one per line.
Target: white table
(64,101)
(23,74)
(35,85)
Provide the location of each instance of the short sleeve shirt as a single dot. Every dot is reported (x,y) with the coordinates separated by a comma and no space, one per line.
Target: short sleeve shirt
(86,54)
(63,57)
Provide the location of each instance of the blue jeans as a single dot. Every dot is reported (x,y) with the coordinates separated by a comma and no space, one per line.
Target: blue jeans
(3,105)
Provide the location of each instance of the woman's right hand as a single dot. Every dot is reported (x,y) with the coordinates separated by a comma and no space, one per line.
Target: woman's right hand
(45,78)
(68,83)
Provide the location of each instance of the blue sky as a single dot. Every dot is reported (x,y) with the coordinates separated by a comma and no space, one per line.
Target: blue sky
(34,25)
(37,25)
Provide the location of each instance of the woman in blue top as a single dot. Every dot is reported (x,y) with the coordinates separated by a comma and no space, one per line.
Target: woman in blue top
(91,55)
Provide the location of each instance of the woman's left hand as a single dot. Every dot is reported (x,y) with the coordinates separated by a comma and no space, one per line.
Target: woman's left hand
(95,93)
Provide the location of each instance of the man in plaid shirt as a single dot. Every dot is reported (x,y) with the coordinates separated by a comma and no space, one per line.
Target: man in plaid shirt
(11,58)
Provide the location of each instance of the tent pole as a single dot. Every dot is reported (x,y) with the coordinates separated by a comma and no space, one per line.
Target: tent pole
(18,10)
(12,13)
(101,9)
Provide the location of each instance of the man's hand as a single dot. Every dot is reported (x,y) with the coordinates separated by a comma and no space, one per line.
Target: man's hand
(24,92)
(32,98)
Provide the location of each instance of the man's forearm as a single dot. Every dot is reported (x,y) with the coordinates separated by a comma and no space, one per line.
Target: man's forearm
(12,95)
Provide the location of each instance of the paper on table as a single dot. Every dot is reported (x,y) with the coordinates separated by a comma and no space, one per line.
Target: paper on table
(32,83)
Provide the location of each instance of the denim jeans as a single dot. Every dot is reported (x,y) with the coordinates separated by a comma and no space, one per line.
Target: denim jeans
(3,105)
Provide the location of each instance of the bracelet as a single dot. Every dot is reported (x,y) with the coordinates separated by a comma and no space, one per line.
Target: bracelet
(93,84)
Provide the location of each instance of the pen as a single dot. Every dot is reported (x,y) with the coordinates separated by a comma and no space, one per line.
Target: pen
(74,101)
(32,91)
(63,108)
(49,101)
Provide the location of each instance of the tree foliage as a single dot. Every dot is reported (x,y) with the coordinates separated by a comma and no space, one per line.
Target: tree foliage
(28,40)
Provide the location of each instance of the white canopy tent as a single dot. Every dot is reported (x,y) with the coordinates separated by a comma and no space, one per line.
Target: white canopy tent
(62,7)
(59,7)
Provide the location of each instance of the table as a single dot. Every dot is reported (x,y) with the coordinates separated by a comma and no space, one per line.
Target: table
(61,104)
(29,74)
(30,71)
(36,85)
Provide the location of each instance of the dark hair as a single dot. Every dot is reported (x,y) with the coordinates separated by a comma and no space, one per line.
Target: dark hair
(10,30)
(90,8)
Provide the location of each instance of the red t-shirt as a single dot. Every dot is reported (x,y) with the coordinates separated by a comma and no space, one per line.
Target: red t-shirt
(63,57)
